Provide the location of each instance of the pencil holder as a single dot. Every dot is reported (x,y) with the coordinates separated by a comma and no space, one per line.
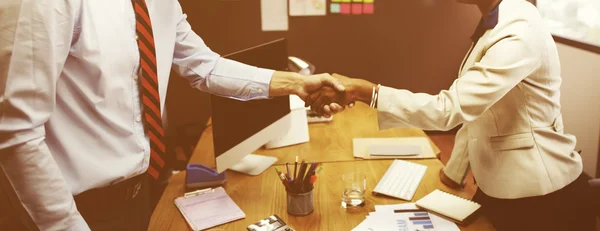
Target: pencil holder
(300,204)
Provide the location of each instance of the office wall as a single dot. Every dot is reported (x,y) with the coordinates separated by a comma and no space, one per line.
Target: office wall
(581,101)
(412,44)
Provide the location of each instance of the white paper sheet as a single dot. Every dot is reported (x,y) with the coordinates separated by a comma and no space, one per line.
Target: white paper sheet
(308,7)
(274,15)
(363,226)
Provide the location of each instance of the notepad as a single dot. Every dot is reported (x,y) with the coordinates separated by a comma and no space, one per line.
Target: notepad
(448,205)
(208,208)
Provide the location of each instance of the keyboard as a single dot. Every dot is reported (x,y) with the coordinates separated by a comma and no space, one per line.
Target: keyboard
(401,180)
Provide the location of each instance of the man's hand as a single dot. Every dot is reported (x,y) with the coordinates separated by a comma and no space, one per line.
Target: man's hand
(286,83)
(313,83)
(327,101)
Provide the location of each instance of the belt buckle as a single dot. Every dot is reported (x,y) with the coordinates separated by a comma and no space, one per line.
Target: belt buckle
(133,191)
(136,189)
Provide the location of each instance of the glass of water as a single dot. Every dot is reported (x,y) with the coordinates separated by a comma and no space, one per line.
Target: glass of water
(355,185)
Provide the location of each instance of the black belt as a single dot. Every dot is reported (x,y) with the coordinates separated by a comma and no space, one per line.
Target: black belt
(118,193)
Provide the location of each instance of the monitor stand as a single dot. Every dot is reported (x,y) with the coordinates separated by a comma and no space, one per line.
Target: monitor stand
(253,164)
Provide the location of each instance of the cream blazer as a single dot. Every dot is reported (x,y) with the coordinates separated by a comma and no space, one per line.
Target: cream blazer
(507,98)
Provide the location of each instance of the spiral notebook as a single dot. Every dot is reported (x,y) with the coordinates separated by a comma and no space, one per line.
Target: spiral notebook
(448,205)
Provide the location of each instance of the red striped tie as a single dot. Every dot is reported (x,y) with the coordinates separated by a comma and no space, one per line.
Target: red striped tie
(149,88)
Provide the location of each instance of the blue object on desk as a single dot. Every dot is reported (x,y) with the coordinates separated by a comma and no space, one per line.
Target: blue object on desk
(200,176)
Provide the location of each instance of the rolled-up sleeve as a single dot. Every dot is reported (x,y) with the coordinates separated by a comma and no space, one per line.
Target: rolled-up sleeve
(208,71)
(35,38)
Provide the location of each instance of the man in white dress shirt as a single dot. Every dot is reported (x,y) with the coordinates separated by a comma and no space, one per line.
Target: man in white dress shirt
(507,99)
(82,91)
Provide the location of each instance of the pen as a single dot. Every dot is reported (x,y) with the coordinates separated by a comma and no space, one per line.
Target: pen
(321,168)
(295,166)
(310,173)
(301,174)
(197,192)
(282,177)
(287,166)
(313,179)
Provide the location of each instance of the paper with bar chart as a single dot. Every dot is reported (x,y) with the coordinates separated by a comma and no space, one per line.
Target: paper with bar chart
(404,217)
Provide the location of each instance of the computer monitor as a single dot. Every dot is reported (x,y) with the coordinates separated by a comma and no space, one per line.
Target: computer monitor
(241,127)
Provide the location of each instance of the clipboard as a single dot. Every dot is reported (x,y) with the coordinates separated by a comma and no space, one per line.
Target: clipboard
(207,208)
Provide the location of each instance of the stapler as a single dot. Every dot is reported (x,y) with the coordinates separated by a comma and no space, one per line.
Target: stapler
(200,176)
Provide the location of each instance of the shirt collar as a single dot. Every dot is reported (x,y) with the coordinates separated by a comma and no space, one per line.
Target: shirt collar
(487,22)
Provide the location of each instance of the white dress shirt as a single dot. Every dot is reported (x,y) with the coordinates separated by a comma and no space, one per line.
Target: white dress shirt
(70,117)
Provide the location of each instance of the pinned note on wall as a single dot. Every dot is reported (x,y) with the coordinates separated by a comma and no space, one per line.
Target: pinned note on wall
(308,7)
(368,8)
(334,8)
(353,7)
(357,8)
(345,8)
(274,15)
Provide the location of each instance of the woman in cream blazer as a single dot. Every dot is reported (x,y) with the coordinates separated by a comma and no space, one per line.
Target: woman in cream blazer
(507,98)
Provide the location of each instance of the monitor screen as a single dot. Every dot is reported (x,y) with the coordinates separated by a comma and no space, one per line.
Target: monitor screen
(235,121)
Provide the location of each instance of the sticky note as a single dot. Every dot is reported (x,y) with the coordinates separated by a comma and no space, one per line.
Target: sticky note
(369,1)
(368,8)
(345,8)
(357,8)
(334,8)
(346,0)
(336,0)
(357,0)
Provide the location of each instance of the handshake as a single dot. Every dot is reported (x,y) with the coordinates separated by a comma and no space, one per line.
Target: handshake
(330,94)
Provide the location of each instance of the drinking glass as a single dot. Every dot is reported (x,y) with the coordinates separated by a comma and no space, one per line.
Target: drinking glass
(355,185)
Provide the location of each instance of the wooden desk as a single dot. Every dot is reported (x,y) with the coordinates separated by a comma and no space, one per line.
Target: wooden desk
(329,142)
(264,195)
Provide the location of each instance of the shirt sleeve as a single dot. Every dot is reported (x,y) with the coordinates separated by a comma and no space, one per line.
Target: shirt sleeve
(514,55)
(208,71)
(35,38)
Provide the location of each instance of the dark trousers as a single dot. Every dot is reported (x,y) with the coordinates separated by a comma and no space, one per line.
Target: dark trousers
(124,206)
(566,209)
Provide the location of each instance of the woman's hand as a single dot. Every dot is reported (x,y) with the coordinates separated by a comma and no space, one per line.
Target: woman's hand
(328,101)
(447,181)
